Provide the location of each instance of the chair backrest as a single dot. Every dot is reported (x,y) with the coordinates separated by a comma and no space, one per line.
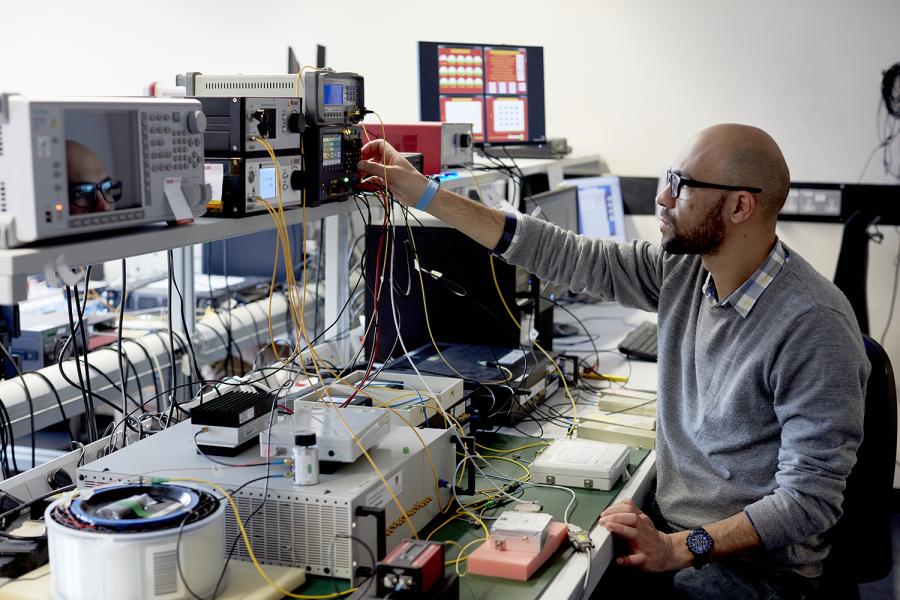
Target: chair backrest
(861,540)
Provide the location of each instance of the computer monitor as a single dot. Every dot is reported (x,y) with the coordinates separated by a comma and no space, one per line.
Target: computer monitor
(559,206)
(250,255)
(497,88)
(600,210)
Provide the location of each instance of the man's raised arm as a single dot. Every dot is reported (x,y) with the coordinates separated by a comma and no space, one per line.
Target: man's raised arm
(384,165)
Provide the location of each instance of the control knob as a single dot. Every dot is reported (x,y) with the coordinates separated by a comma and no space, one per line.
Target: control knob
(196,121)
(298,180)
(296,123)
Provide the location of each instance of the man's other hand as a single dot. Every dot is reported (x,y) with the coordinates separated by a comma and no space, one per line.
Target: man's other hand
(651,549)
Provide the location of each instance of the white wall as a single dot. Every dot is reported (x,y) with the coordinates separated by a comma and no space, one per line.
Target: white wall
(632,79)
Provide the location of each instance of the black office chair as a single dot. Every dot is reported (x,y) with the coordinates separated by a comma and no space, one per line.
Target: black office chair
(861,540)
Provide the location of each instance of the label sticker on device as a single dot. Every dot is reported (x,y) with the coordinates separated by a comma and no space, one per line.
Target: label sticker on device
(245,416)
(380,497)
(511,358)
(214,174)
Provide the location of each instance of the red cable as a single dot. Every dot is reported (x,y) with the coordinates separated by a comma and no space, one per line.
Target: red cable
(377,294)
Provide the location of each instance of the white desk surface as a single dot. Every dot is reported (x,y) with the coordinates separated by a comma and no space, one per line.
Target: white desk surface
(244,583)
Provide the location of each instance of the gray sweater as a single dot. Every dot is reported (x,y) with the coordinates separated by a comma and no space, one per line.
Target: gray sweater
(761,413)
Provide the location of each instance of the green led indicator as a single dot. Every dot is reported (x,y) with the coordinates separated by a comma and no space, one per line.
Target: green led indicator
(346,180)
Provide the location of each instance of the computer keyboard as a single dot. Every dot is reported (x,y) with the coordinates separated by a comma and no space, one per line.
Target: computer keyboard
(640,342)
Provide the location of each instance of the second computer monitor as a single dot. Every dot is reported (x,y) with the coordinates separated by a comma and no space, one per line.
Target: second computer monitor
(559,206)
(497,88)
(600,210)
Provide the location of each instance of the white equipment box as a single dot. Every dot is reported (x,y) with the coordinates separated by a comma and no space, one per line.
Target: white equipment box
(305,526)
(334,441)
(520,531)
(405,393)
(580,463)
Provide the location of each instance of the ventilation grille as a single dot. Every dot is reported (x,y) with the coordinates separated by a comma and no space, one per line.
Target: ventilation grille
(2,194)
(246,86)
(294,533)
(409,143)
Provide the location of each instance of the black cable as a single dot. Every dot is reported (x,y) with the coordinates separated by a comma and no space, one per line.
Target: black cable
(111,383)
(182,348)
(214,302)
(228,329)
(9,440)
(184,326)
(59,403)
(28,503)
(91,425)
(369,579)
(318,268)
(123,380)
(150,366)
(580,323)
(84,349)
(4,462)
(149,362)
(30,400)
(173,401)
(132,367)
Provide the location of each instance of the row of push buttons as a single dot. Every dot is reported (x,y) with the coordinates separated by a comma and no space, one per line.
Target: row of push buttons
(107,218)
(174,116)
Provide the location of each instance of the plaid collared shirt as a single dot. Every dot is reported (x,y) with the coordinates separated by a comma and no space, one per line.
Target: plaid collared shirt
(743,298)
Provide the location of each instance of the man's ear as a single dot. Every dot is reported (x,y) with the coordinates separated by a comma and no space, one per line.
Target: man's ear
(743,208)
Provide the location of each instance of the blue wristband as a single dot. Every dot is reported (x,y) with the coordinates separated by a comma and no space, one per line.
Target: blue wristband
(427,196)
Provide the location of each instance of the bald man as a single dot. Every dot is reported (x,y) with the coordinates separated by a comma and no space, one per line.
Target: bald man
(90,187)
(762,369)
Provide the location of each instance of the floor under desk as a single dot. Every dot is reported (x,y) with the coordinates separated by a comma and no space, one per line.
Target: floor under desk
(503,452)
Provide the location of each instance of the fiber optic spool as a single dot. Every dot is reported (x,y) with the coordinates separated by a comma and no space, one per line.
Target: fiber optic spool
(120,541)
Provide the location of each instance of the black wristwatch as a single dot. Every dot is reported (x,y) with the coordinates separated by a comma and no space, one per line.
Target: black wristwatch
(700,544)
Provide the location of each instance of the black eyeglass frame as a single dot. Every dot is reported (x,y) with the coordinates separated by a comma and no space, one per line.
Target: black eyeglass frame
(82,198)
(676,181)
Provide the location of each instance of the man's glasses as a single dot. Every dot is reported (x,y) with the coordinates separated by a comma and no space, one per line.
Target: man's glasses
(83,195)
(677,181)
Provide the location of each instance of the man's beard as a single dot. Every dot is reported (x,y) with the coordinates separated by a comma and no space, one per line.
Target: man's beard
(704,239)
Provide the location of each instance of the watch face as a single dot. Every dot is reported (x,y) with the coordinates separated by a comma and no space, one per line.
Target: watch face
(699,542)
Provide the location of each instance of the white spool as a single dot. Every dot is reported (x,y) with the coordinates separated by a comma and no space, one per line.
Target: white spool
(95,565)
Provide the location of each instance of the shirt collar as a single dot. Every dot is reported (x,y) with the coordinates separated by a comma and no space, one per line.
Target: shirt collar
(744,298)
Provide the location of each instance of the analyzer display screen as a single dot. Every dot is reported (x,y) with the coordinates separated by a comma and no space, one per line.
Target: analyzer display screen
(267,182)
(331,150)
(102,161)
(333,93)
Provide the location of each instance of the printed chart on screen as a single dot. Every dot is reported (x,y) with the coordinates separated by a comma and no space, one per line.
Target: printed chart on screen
(506,71)
(507,119)
(456,109)
(600,209)
(460,70)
